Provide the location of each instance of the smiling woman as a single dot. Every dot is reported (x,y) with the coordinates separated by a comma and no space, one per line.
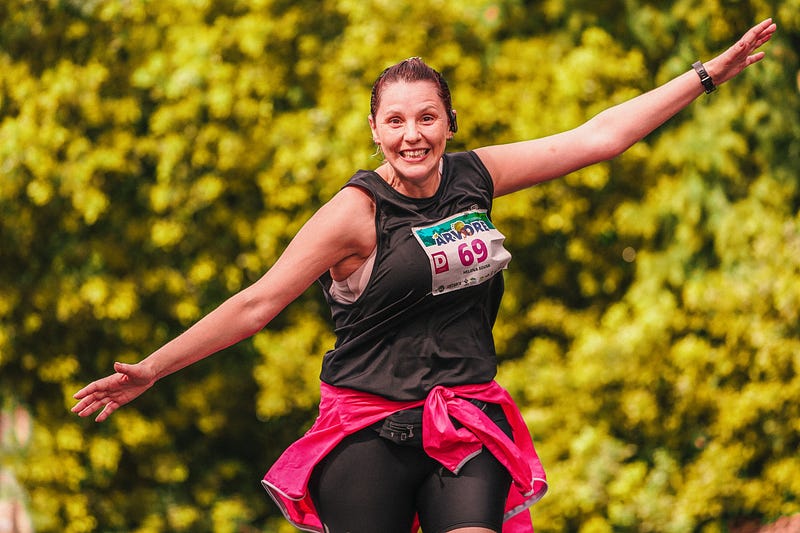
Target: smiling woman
(411,124)
(413,428)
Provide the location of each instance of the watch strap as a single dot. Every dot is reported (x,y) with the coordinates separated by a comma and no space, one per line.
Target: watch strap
(705,79)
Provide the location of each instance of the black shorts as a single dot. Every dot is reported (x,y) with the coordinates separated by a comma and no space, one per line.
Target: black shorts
(369,483)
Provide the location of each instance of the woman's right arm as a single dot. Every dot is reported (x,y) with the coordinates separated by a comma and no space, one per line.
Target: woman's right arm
(341,229)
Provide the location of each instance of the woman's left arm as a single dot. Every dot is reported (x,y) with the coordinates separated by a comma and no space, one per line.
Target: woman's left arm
(519,165)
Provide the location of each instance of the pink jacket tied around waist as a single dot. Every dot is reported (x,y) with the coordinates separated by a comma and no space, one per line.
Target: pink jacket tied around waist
(345,411)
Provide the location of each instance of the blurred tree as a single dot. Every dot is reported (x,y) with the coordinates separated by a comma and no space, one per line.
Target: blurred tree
(157,157)
(668,382)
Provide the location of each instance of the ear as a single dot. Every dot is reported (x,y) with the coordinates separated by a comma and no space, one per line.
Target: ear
(371,121)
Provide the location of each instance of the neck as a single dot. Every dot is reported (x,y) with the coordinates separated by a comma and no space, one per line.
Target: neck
(423,189)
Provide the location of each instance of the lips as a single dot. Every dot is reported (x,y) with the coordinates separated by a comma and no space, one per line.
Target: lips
(414,154)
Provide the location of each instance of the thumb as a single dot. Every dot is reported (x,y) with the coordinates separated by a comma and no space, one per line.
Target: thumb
(135,374)
(122,368)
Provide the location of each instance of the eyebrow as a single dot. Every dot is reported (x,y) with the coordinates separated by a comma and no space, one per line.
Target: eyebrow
(426,109)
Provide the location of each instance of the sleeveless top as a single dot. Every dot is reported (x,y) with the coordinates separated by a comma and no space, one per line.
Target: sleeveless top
(426,314)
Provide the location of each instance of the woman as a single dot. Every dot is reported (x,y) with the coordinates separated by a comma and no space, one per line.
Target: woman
(413,429)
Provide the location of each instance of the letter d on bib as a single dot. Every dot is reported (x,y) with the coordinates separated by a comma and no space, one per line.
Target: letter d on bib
(440,262)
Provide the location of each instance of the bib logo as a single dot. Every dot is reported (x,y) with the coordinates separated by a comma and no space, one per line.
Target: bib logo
(440,262)
(459,231)
(464,250)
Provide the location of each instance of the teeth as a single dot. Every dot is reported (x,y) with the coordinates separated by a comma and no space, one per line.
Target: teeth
(414,153)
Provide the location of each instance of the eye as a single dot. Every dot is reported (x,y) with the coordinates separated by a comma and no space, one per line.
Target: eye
(394,121)
(428,119)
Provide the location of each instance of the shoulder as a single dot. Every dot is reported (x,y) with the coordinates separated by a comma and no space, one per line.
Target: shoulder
(351,215)
(467,159)
(468,168)
(353,200)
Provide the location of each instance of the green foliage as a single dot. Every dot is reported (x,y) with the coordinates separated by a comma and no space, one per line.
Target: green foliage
(157,157)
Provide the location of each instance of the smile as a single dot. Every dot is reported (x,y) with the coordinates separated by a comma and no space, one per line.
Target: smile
(414,153)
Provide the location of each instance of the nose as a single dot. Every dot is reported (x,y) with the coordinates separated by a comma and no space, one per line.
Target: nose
(412,131)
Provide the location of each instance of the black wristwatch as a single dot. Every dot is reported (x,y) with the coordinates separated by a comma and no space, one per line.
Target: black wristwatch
(705,79)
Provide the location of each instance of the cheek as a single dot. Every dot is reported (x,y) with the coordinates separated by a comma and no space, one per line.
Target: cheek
(387,136)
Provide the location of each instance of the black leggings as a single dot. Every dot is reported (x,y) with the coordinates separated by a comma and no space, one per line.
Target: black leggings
(369,484)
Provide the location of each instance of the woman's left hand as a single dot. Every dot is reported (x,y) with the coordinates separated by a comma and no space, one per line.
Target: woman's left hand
(742,54)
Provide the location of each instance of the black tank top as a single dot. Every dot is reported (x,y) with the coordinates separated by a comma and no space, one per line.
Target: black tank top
(414,327)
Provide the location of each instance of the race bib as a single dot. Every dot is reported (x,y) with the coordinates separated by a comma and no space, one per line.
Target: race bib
(464,250)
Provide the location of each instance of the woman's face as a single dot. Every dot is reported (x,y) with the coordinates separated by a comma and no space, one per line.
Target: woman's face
(412,128)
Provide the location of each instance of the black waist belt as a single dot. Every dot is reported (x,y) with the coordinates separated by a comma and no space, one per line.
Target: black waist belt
(405,427)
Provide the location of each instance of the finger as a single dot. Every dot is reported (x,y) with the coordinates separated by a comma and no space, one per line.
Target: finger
(101,386)
(761,26)
(760,42)
(127,373)
(86,391)
(755,58)
(81,405)
(88,408)
(756,33)
(106,412)
(766,35)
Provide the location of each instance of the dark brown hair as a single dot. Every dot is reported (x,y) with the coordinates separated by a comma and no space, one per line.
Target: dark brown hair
(409,70)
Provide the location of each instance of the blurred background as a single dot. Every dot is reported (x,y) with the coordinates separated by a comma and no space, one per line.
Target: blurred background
(156,157)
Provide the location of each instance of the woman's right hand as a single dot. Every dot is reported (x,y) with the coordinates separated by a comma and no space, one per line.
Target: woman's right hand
(112,392)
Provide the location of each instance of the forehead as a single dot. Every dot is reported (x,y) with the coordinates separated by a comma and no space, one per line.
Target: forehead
(399,95)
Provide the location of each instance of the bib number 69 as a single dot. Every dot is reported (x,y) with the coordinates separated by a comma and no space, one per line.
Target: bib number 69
(474,251)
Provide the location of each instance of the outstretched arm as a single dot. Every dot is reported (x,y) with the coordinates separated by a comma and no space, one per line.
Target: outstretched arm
(519,165)
(339,231)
